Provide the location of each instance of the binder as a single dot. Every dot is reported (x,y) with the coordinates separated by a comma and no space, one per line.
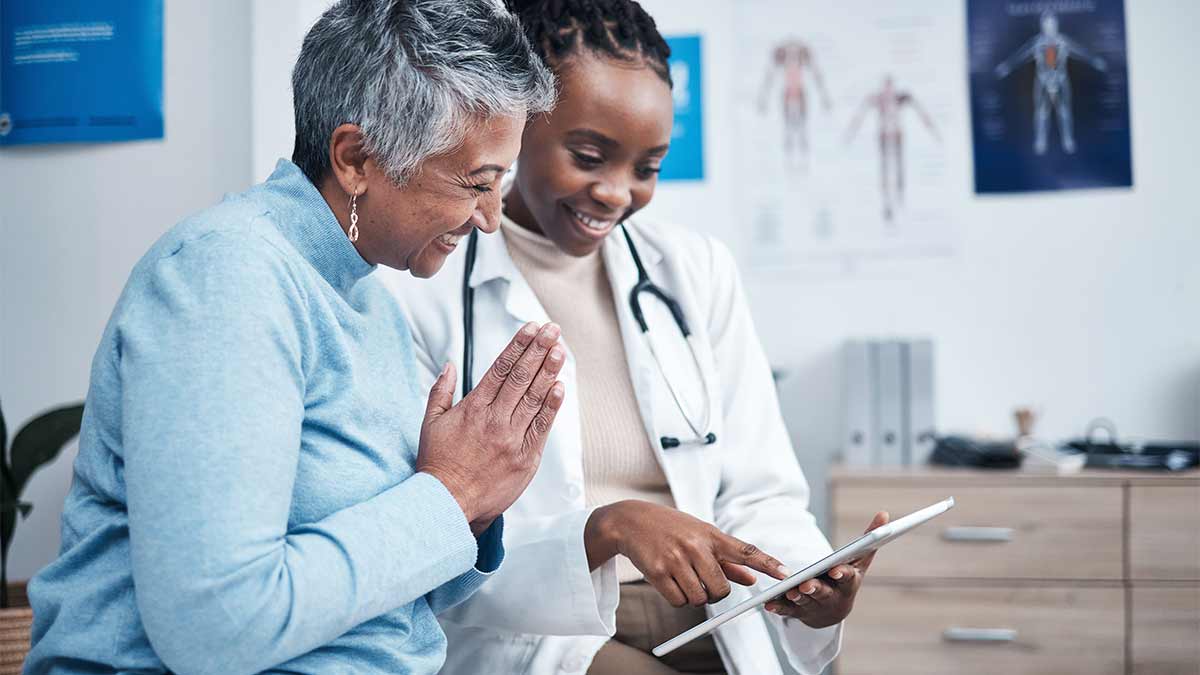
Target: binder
(891,413)
(920,428)
(889,402)
(859,433)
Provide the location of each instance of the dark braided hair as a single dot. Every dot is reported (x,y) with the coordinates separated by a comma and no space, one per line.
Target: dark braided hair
(618,29)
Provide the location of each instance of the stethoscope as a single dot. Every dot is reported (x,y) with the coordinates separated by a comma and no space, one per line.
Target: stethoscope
(643,285)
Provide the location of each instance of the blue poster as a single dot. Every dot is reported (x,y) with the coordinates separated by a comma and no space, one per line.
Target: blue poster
(1049,94)
(685,160)
(76,71)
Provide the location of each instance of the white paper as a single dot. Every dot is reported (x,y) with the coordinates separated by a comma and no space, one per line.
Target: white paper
(827,204)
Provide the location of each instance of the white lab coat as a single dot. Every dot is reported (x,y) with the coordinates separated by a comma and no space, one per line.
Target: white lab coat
(543,612)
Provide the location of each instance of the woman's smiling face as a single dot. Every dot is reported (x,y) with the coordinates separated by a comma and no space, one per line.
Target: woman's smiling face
(415,226)
(594,160)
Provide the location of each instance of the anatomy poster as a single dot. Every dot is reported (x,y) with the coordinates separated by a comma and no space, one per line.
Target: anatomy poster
(852,121)
(1049,94)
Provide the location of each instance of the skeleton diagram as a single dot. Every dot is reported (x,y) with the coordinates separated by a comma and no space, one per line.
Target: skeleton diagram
(793,58)
(887,103)
(1050,50)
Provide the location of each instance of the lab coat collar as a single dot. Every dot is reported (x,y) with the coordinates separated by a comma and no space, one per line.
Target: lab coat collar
(618,260)
(492,260)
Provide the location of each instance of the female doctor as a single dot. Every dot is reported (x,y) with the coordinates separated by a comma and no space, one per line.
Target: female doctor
(669,464)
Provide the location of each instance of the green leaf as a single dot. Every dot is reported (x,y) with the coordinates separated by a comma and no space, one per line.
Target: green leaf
(40,441)
(8,514)
(3,437)
(8,494)
(35,444)
(8,490)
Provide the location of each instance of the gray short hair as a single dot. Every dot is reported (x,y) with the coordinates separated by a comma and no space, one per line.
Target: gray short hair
(413,75)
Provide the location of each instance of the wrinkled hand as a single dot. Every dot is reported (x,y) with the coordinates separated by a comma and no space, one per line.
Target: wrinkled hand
(687,560)
(486,449)
(828,599)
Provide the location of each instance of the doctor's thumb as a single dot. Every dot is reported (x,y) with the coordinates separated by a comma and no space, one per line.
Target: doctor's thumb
(441,395)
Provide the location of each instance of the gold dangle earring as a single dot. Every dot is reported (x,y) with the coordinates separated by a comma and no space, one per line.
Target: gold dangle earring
(353,232)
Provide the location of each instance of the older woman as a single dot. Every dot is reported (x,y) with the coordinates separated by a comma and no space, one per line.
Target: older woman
(260,484)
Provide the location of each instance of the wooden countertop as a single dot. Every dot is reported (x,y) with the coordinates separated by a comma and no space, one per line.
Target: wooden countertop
(1032,474)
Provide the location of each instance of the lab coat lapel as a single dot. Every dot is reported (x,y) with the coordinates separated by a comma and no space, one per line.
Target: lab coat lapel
(496,277)
(622,275)
(689,469)
(493,264)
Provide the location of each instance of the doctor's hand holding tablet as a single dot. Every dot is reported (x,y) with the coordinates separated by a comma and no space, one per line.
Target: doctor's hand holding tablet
(692,562)
(821,594)
(827,599)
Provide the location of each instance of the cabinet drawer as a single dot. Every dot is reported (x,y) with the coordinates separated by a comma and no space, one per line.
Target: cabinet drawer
(933,630)
(1054,533)
(1164,532)
(1165,627)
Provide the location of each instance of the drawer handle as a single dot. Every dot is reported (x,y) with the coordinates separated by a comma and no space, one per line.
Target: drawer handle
(978,534)
(979,635)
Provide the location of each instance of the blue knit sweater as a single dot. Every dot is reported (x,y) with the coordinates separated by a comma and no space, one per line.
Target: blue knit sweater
(244,498)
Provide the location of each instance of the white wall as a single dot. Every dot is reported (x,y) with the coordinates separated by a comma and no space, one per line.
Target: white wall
(1084,303)
(1081,303)
(75,218)
(279,27)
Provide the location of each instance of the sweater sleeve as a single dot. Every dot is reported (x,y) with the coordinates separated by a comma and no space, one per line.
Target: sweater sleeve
(213,376)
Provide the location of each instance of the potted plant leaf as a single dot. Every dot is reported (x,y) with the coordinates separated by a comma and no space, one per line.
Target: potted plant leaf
(34,446)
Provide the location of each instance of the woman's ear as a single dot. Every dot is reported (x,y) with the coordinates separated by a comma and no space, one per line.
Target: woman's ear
(348,159)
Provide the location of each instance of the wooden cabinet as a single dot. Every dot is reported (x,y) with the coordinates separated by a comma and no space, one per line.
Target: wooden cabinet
(936,630)
(1166,630)
(1164,533)
(996,532)
(1031,572)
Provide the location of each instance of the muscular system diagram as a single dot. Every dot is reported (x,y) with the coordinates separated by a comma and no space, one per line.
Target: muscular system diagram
(887,103)
(792,59)
(1050,51)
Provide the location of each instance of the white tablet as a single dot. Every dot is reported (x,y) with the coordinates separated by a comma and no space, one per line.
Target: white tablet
(852,551)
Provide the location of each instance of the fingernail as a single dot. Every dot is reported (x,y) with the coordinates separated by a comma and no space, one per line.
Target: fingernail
(445,367)
(836,575)
(556,354)
(552,330)
(529,328)
(811,589)
(785,570)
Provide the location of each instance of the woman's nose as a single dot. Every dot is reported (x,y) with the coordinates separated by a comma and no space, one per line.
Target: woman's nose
(487,212)
(614,194)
